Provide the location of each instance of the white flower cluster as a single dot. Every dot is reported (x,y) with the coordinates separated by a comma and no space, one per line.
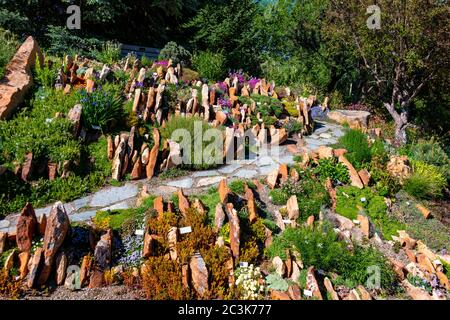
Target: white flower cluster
(249,282)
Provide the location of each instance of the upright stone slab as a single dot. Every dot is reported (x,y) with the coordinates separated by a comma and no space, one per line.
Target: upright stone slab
(57,227)
(18,77)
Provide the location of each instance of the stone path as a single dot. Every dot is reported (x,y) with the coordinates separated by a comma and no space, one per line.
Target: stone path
(124,197)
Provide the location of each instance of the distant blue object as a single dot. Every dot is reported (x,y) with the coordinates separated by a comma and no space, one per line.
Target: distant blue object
(318,113)
(151,53)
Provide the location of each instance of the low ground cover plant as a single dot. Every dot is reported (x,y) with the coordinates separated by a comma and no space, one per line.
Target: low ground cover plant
(319,247)
(352,201)
(311,194)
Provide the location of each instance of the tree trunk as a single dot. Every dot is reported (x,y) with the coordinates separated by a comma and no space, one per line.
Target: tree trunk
(401,122)
(400,132)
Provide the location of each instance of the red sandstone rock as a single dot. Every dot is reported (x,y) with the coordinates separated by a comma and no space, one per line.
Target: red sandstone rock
(26,227)
(57,227)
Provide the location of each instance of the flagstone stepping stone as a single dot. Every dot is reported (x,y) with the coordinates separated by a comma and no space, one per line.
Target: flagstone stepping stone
(321,130)
(183,183)
(208,173)
(83,216)
(329,141)
(118,206)
(165,190)
(4,224)
(265,161)
(229,168)
(111,195)
(246,173)
(286,159)
(325,135)
(209,181)
(79,203)
(338,133)
(268,169)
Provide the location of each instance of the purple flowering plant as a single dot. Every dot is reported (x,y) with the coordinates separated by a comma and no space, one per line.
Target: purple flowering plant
(222,86)
(252,82)
(224,102)
(163,63)
(239,74)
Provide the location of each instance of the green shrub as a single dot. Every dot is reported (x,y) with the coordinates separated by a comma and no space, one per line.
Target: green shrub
(116,218)
(7,50)
(279,197)
(187,131)
(45,75)
(431,152)
(209,65)
(38,130)
(98,157)
(177,53)
(330,168)
(268,106)
(311,194)
(378,151)
(291,108)
(349,204)
(109,53)
(100,108)
(62,41)
(210,201)
(357,146)
(293,126)
(321,248)
(146,62)
(385,184)
(238,186)
(49,139)
(426,182)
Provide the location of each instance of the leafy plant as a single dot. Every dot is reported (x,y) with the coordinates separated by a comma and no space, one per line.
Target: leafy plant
(100,108)
(177,53)
(426,181)
(293,126)
(321,248)
(310,192)
(268,106)
(420,283)
(278,196)
(385,184)
(109,53)
(352,201)
(357,146)
(238,185)
(330,168)
(45,75)
(431,152)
